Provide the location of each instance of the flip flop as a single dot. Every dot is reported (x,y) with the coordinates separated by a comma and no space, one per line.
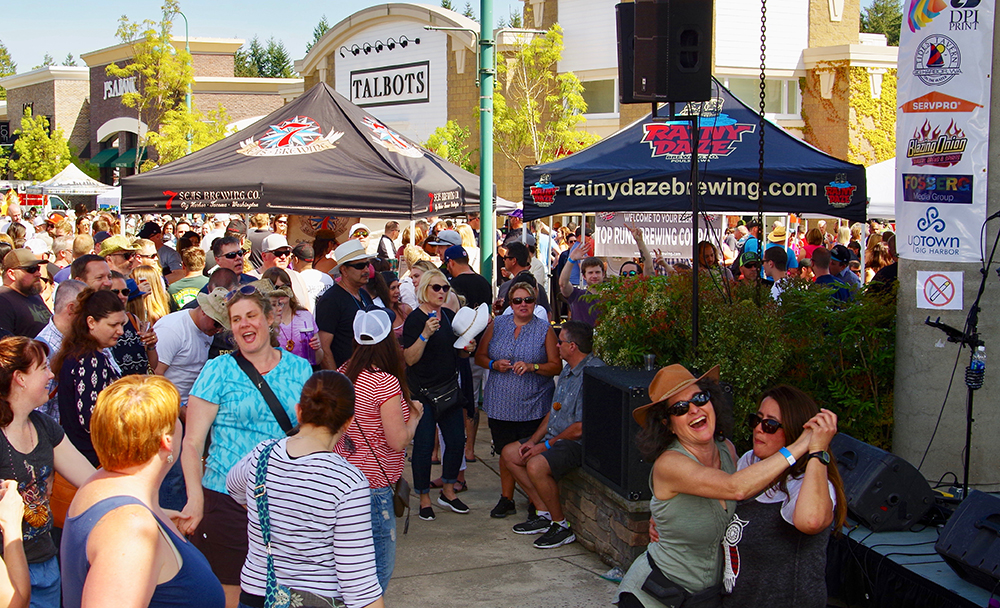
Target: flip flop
(461,486)
(470,460)
(437,483)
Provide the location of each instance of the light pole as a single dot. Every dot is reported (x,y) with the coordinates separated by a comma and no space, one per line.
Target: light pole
(187,94)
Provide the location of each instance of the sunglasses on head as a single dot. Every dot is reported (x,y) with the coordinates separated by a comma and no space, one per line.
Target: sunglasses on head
(519,301)
(281,253)
(768,425)
(444,288)
(245,290)
(357,265)
(233,255)
(681,407)
(124,291)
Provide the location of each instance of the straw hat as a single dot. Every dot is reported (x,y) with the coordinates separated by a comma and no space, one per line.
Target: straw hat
(468,323)
(669,381)
(777,235)
(351,251)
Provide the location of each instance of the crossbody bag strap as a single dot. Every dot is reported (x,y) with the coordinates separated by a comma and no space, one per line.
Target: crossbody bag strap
(260,495)
(372,450)
(265,390)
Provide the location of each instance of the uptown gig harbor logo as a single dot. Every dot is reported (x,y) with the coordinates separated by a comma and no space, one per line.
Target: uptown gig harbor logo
(932,225)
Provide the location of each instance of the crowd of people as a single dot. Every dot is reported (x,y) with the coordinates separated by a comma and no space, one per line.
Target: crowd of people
(215,415)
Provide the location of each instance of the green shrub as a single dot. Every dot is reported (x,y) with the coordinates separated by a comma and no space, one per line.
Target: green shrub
(842,354)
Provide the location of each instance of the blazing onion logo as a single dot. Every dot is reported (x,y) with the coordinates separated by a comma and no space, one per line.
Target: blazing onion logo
(298,135)
(390,140)
(839,192)
(931,146)
(543,193)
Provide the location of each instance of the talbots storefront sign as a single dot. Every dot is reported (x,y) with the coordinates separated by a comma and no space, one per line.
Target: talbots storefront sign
(391,85)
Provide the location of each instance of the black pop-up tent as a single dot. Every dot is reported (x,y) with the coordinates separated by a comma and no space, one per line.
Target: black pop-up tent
(319,155)
(647,165)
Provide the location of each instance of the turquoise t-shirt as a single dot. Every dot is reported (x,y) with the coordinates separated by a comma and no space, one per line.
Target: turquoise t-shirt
(244,419)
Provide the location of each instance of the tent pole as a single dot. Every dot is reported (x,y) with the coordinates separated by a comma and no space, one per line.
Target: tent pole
(694,232)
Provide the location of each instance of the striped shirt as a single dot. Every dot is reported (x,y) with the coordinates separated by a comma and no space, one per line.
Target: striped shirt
(321,530)
(371,390)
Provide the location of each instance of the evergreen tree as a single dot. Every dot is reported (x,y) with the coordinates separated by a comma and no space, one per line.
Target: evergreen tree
(264,61)
(321,28)
(277,61)
(446,4)
(47,60)
(41,154)
(69,61)
(883,17)
(469,12)
(7,67)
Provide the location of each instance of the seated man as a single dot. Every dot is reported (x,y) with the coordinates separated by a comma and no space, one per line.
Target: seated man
(554,449)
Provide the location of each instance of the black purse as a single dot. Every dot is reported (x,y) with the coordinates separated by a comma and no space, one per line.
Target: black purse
(442,397)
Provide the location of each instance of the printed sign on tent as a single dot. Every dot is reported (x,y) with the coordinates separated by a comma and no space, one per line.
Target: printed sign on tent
(939,290)
(942,133)
(668,232)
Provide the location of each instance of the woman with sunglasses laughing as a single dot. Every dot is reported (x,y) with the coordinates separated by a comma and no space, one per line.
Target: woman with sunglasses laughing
(695,488)
(781,534)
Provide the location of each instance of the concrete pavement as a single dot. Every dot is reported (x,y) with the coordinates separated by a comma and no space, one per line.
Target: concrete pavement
(474,560)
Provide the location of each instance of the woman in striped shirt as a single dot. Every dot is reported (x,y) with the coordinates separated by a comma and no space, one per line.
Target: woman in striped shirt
(318,504)
(385,419)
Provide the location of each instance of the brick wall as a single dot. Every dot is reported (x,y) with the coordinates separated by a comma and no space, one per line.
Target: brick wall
(604,522)
(41,95)
(72,112)
(238,105)
(210,64)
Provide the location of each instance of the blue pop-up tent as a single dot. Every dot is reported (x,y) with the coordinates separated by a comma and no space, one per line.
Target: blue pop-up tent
(647,167)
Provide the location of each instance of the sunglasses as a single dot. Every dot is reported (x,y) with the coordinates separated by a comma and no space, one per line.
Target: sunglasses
(126,255)
(357,265)
(281,253)
(31,269)
(152,256)
(361,233)
(768,425)
(217,325)
(681,407)
(245,290)
(519,301)
(233,255)
(444,288)
(630,273)
(124,291)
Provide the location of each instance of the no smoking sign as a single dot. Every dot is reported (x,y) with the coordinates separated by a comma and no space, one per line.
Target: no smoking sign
(939,290)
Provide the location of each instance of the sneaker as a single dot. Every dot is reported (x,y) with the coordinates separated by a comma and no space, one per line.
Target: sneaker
(534,525)
(426,513)
(505,507)
(556,536)
(454,504)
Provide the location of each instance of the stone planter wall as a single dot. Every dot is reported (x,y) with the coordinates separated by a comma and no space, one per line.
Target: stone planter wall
(605,523)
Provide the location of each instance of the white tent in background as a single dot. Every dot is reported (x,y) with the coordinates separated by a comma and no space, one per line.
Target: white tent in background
(882,189)
(70,180)
(112,199)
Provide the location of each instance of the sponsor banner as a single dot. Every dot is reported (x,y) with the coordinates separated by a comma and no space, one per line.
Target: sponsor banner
(942,136)
(668,232)
(938,290)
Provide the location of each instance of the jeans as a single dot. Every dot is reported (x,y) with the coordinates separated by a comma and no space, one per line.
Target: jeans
(45,584)
(384,534)
(452,426)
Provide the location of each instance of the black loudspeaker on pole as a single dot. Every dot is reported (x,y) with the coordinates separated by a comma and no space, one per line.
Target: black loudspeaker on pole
(665,50)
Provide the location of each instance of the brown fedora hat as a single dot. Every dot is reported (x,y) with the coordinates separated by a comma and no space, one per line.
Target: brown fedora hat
(669,381)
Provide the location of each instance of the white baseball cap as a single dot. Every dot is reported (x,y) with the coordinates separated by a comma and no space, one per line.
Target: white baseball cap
(274,241)
(371,327)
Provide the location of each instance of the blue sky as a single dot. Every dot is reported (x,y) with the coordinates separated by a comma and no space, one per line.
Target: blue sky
(59,27)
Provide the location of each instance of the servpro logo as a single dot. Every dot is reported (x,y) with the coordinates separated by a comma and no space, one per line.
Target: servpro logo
(543,192)
(936,101)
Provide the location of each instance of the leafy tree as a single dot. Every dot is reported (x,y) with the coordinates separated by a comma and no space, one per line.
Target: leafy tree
(162,73)
(446,4)
(7,67)
(536,111)
(450,142)
(46,62)
(41,154)
(321,28)
(171,140)
(260,61)
(883,17)
(69,61)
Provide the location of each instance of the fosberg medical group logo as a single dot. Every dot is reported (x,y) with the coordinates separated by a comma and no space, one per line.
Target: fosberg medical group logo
(389,139)
(839,192)
(298,135)
(543,193)
(930,146)
(938,60)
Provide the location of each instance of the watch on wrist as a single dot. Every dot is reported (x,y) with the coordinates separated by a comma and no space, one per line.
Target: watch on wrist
(822,456)
(536,367)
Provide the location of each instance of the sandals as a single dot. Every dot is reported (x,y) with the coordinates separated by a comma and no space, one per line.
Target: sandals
(460,486)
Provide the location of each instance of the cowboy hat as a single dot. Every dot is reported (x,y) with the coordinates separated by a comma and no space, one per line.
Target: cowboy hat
(468,323)
(669,381)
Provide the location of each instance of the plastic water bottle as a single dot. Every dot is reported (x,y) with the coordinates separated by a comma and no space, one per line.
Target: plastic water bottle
(977,369)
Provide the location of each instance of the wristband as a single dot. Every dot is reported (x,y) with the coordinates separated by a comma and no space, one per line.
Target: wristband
(577,262)
(788,456)
(422,338)
(547,446)
(491,363)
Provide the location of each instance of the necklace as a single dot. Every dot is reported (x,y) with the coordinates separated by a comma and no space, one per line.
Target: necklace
(289,338)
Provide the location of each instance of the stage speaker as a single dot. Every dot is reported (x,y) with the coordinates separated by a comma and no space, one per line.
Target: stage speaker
(625,18)
(672,50)
(609,449)
(970,541)
(884,492)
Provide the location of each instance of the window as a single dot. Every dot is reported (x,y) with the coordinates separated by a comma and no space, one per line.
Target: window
(601,96)
(781,95)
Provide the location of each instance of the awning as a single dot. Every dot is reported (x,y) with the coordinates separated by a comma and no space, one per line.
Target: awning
(104,158)
(127,159)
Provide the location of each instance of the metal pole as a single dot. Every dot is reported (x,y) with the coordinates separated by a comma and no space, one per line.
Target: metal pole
(187,94)
(487,232)
(694,231)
